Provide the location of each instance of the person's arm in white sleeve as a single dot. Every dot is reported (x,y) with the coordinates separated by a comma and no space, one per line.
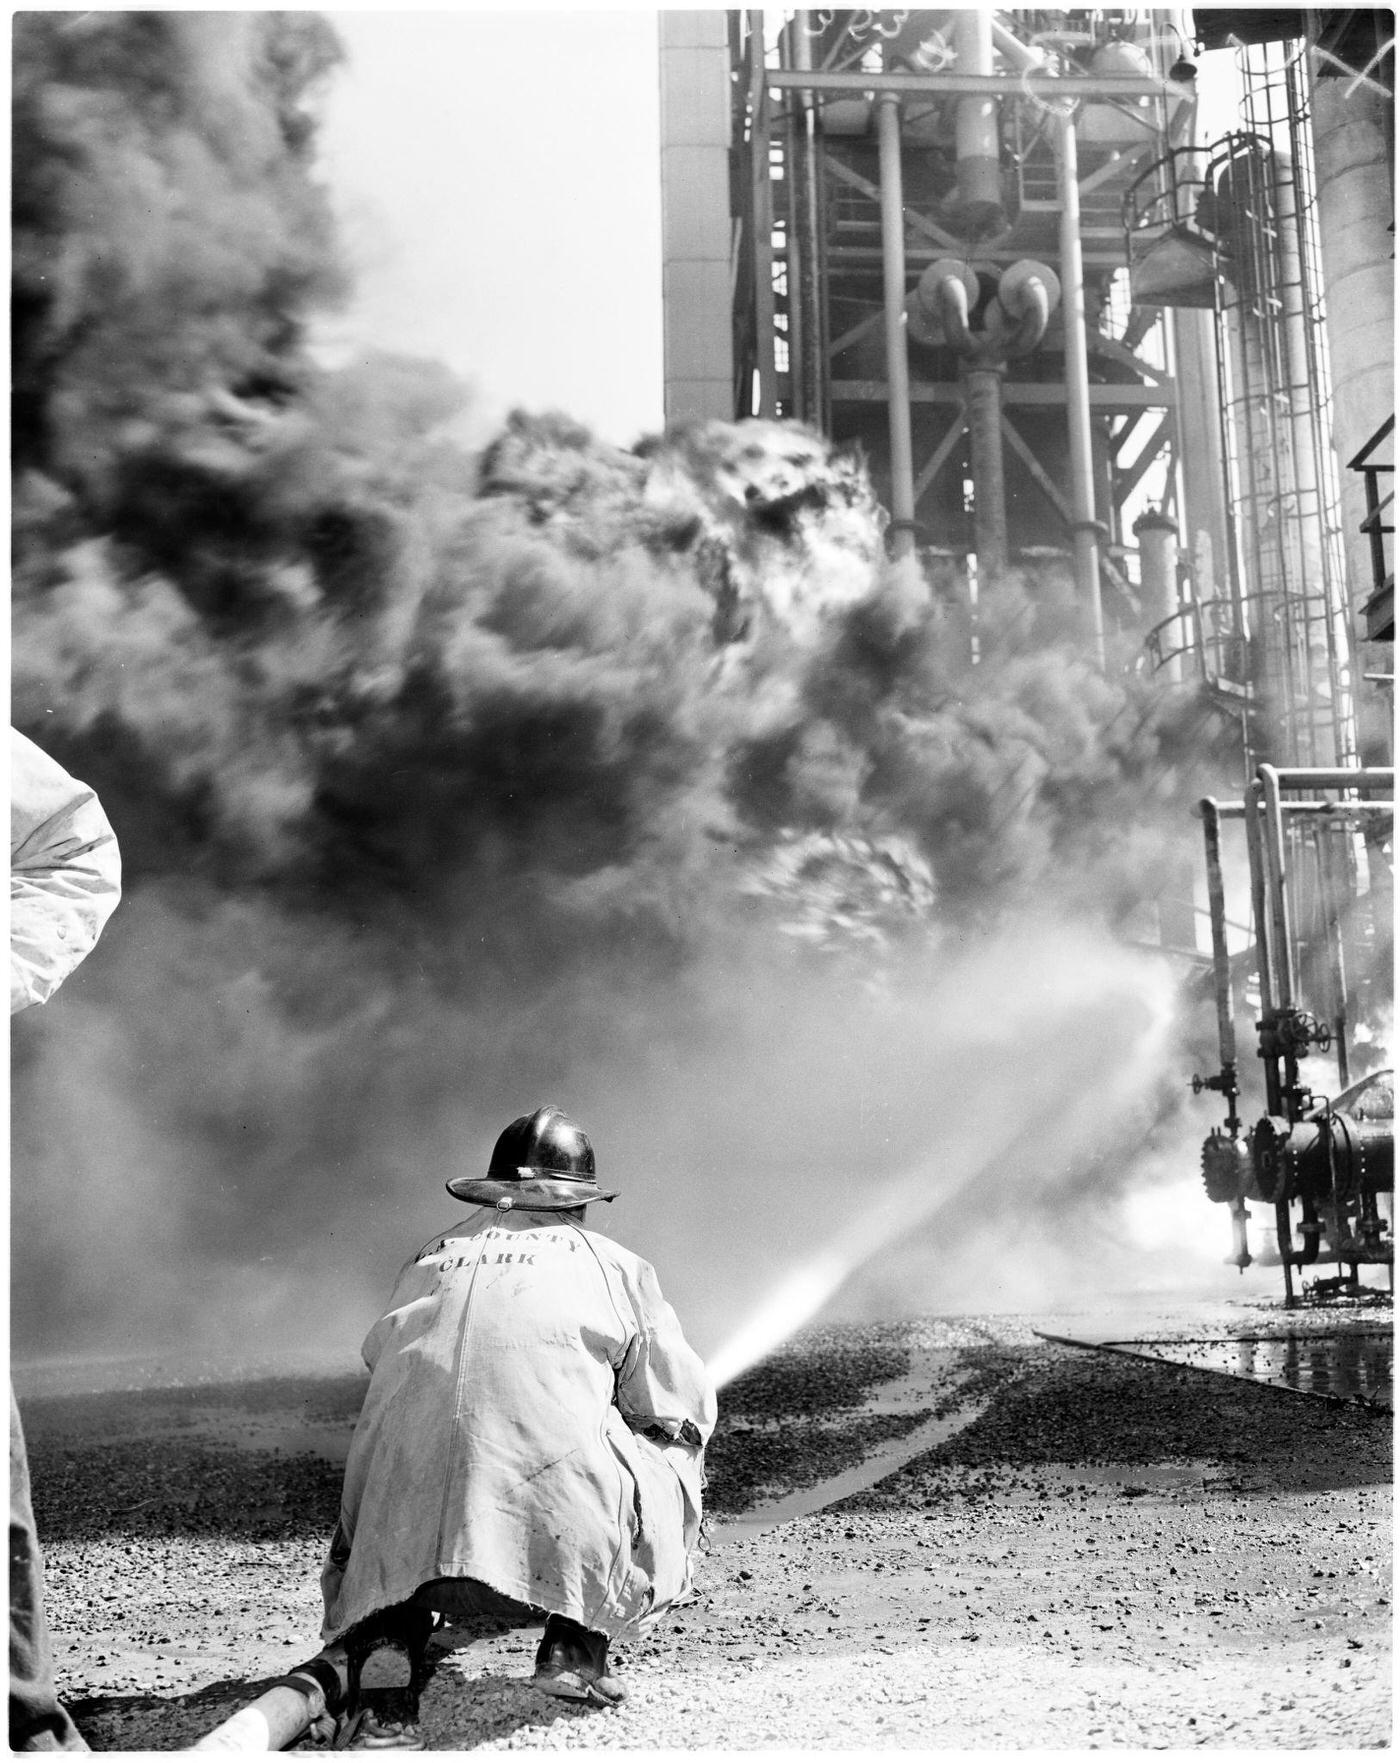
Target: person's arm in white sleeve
(65,873)
(663,1388)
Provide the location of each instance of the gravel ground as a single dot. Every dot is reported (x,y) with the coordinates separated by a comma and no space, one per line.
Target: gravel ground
(1034,1547)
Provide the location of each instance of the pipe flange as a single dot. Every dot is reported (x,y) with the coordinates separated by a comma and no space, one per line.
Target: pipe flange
(1269,1145)
(1226,1167)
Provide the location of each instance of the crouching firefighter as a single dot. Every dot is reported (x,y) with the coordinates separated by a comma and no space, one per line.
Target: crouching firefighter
(531,1446)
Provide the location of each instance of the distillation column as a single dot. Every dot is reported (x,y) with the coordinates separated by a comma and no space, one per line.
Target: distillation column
(1352,144)
(695,221)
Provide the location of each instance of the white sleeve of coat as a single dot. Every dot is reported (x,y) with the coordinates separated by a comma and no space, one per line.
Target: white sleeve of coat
(65,873)
(662,1383)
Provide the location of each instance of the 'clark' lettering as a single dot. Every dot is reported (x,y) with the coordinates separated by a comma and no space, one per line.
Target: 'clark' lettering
(502,1257)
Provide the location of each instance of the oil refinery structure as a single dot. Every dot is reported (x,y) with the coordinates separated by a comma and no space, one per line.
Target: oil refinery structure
(1092,316)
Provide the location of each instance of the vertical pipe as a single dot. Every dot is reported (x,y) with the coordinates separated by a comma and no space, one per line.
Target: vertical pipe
(1200,460)
(983,392)
(1081,453)
(760,174)
(896,340)
(1220,956)
(1263,935)
(1333,892)
(1283,1228)
(1200,454)
(804,240)
(1276,867)
(977,133)
(1156,536)
(797,106)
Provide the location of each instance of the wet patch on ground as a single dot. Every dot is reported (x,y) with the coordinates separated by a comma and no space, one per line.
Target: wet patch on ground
(1344,1356)
(1111,1551)
(1353,1367)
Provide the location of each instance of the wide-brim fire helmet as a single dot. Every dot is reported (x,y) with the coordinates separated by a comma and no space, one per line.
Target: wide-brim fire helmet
(542,1161)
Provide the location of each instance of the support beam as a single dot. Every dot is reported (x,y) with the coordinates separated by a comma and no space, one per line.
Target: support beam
(1044,481)
(920,222)
(1112,350)
(1115,166)
(941,454)
(1130,427)
(1127,480)
(856,332)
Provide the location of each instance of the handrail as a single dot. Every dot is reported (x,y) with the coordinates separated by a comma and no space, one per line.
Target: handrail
(1362,461)
(1373,525)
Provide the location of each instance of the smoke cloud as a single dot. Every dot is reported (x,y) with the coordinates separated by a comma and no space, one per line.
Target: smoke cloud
(448,785)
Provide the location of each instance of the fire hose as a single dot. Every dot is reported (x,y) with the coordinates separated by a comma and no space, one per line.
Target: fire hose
(284,1711)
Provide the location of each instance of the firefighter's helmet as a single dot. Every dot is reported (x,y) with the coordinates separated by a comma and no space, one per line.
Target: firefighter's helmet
(542,1161)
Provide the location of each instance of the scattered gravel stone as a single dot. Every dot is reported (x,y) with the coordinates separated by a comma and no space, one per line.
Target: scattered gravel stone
(1109,1553)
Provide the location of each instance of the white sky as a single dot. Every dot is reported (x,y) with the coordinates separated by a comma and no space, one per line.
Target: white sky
(497,180)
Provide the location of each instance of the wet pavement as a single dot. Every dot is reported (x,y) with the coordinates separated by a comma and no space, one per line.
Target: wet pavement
(1343,1356)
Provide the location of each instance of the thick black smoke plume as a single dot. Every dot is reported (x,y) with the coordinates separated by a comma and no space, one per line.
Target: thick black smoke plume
(447,785)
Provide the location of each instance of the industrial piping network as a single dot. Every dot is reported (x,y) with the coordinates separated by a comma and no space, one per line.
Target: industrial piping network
(1013,324)
(978,91)
(1331,1157)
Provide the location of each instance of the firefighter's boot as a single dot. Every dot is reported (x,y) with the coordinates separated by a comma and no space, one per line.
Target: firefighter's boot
(572,1663)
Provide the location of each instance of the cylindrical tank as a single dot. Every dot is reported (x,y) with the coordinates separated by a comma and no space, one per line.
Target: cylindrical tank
(1279,499)
(1351,120)
(1120,122)
(695,221)
(1156,535)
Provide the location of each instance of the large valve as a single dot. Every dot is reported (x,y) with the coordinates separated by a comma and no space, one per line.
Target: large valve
(1293,1032)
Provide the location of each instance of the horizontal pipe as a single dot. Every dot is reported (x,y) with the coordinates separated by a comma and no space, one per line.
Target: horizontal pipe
(1235,810)
(1047,394)
(970,85)
(1318,778)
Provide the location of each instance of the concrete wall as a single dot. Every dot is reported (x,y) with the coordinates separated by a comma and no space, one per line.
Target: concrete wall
(695,218)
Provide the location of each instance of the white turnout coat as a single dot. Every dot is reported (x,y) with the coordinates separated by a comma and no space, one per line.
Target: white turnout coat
(535,1420)
(65,873)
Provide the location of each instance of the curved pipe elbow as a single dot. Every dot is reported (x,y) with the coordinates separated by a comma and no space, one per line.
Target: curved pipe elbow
(951,300)
(1032,309)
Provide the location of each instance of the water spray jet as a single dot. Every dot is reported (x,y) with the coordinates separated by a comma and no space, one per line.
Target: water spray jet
(990,1134)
